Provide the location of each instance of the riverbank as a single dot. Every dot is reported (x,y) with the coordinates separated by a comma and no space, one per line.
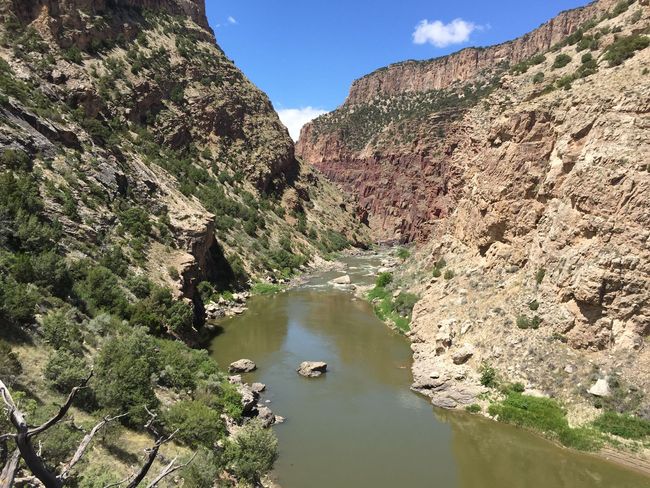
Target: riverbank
(336,423)
(451,368)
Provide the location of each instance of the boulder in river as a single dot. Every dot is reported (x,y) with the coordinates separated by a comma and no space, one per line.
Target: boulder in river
(242,366)
(341,280)
(258,387)
(312,369)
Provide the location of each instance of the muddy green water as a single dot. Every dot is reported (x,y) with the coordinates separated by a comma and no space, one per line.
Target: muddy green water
(360,425)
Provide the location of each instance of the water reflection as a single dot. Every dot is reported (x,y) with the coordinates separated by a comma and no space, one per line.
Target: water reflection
(360,426)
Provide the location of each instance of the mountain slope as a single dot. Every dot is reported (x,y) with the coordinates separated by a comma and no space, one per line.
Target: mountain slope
(142,175)
(529,196)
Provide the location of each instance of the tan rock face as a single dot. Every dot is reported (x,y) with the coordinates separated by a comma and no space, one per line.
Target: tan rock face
(539,201)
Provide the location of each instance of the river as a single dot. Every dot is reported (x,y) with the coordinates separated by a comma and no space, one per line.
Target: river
(359,425)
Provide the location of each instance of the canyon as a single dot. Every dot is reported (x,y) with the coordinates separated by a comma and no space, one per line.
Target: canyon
(521,172)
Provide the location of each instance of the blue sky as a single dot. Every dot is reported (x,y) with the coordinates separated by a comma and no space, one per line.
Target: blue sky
(305,54)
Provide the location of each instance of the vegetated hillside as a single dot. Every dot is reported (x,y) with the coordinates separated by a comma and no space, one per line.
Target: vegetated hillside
(138,166)
(539,277)
(388,143)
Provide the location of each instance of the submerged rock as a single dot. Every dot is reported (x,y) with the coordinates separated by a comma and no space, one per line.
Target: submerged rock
(242,366)
(312,369)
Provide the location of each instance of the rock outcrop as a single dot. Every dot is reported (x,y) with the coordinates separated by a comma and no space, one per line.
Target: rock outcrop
(536,194)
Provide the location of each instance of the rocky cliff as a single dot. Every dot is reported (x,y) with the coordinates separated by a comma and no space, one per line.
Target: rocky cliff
(531,204)
(396,119)
(130,106)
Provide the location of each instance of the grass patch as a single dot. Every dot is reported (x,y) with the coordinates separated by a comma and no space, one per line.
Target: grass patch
(473,408)
(266,289)
(397,310)
(543,415)
(623,425)
(403,253)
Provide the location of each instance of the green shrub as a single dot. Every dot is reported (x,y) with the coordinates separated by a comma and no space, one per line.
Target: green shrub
(524,322)
(265,289)
(115,260)
(17,301)
(534,305)
(65,370)
(404,303)
(136,221)
(73,55)
(488,376)
(543,415)
(204,470)
(172,271)
(539,276)
(436,273)
(449,274)
(624,48)
(377,293)
(181,367)
(403,253)
(561,60)
(59,443)
(622,425)
(139,285)
(62,332)
(101,291)
(383,280)
(252,453)
(196,423)
(473,408)
(538,78)
(123,382)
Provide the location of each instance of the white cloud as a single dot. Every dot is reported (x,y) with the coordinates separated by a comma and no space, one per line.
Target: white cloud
(295,118)
(442,35)
(232,20)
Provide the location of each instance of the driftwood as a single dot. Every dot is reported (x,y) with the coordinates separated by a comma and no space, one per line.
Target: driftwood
(35,463)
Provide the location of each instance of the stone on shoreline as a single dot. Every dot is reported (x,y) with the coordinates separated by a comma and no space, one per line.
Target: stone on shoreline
(242,366)
(341,280)
(312,369)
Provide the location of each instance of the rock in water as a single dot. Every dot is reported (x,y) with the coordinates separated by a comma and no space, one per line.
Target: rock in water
(242,366)
(312,369)
(341,280)
(258,387)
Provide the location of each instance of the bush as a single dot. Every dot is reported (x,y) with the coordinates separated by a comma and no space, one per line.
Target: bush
(172,271)
(523,322)
(473,408)
(624,48)
(64,371)
(543,415)
(59,443)
(61,332)
(203,471)
(265,289)
(534,305)
(436,273)
(73,55)
(488,376)
(124,368)
(626,426)
(403,253)
(561,60)
(539,276)
(140,286)
(449,274)
(101,291)
(538,78)
(17,301)
(181,367)
(197,424)
(404,303)
(384,279)
(252,453)
(136,221)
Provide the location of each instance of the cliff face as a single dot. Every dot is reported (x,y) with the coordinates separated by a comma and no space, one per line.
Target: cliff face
(404,113)
(129,107)
(533,187)
(441,73)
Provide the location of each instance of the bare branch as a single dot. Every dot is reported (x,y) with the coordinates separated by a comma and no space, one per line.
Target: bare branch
(9,471)
(83,446)
(62,411)
(169,469)
(119,482)
(153,452)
